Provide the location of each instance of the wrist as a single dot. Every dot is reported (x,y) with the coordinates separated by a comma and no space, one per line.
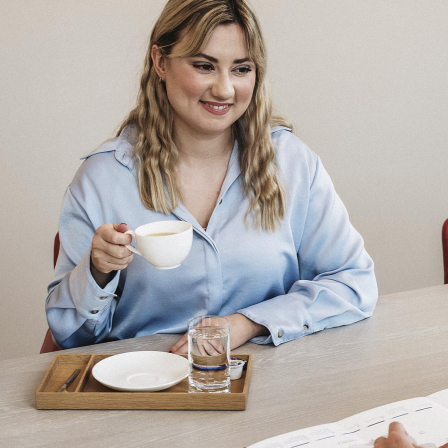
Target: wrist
(253,328)
(259,330)
(101,278)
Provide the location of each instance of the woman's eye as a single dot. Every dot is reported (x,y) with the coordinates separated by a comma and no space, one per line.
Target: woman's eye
(243,69)
(204,67)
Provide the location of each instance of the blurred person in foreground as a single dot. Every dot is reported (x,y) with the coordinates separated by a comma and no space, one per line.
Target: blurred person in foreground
(398,438)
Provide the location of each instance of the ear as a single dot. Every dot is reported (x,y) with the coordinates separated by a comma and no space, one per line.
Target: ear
(159,62)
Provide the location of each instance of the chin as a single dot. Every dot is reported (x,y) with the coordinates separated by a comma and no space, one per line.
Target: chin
(215,128)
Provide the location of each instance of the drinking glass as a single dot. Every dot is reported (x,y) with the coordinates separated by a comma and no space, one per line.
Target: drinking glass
(209,354)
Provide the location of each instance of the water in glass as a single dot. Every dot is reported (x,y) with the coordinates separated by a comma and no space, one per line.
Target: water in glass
(209,357)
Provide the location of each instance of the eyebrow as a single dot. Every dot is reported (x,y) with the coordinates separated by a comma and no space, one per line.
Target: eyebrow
(212,59)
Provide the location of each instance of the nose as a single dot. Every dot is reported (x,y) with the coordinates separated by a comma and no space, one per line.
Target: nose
(222,88)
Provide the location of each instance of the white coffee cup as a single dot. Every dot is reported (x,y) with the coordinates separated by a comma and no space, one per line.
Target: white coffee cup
(165,244)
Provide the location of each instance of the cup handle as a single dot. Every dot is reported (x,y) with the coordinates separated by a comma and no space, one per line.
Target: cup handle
(129,246)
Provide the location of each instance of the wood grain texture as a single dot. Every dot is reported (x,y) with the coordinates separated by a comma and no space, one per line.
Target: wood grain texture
(87,393)
(398,353)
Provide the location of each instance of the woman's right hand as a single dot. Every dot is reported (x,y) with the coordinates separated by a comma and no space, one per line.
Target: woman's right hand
(109,253)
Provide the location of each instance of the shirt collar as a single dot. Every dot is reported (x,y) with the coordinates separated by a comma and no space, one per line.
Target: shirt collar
(122,146)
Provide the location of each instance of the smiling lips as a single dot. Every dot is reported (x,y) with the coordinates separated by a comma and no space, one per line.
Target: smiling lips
(216,108)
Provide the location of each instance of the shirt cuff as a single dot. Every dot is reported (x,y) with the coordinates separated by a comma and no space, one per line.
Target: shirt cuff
(89,299)
(282,328)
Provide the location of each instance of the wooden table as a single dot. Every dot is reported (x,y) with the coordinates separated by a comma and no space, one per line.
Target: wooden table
(400,352)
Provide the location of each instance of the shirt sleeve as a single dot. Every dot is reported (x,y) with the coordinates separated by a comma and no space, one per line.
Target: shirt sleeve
(337,284)
(79,312)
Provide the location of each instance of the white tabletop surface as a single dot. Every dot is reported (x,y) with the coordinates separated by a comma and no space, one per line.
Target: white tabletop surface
(400,352)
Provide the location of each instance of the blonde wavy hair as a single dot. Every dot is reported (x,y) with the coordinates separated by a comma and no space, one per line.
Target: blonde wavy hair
(155,150)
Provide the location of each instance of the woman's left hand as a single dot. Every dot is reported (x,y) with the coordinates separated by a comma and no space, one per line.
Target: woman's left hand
(241,330)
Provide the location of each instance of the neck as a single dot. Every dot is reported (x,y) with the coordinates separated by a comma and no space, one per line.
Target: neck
(205,148)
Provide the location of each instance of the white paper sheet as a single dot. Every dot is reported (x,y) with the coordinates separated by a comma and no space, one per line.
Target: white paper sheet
(425,420)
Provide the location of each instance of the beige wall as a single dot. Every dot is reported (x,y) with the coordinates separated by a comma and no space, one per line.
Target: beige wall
(364,81)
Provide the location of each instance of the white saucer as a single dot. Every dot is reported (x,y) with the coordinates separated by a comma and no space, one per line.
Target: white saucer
(141,371)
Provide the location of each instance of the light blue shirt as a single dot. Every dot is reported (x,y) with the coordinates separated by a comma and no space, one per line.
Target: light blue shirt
(311,273)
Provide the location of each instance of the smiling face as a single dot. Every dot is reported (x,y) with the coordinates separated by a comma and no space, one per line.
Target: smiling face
(209,91)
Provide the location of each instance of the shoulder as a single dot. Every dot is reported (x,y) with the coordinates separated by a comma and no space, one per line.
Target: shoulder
(119,148)
(111,160)
(292,154)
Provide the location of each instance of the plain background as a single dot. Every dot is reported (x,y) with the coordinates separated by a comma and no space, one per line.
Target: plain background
(364,81)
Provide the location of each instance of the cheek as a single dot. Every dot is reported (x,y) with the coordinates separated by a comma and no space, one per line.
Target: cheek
(185,86)
(246,90)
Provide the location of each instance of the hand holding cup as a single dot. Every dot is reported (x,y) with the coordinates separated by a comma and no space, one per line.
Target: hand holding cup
(108,252)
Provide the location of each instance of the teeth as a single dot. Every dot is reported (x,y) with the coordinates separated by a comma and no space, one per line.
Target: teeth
(217,107)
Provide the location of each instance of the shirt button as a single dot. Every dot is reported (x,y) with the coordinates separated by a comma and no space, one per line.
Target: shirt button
(104,297)
(280,333)
(94,311)
(306,327)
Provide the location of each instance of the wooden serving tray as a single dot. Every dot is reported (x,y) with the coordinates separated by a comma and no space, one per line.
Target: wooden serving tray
(87,393)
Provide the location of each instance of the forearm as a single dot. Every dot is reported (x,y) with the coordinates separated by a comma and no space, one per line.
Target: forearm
(311,306)
(77,308)
(242,329)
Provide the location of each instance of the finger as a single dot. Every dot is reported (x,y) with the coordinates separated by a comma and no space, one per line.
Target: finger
(182,350)
(398,428)
(183,340)
(379,442)
(123,227)
(116,251)
(207,349)
(210,347)
(101,257)
(106,267)
(112,236)
(218,345)
(399,437)
(111,250)
(201,347)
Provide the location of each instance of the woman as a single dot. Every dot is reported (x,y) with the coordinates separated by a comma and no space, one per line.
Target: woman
(273,248)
